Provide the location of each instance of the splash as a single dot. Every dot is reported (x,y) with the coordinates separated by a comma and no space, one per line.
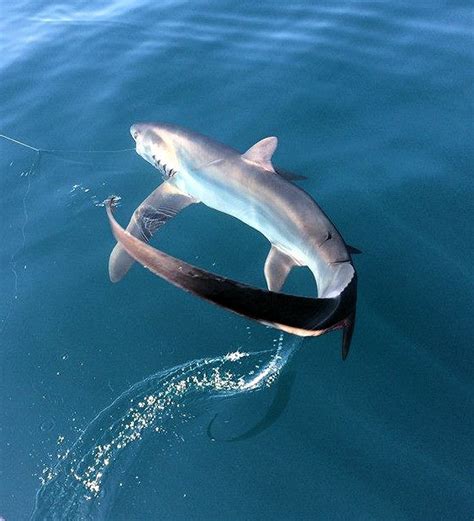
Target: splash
(76,487)
(79,191)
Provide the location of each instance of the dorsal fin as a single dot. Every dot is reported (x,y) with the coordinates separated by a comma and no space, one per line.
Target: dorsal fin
(262,152)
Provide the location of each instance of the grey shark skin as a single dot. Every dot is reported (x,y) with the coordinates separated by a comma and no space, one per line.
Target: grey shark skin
(197,169)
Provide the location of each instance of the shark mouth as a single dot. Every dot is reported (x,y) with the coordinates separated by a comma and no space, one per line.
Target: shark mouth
(301,316)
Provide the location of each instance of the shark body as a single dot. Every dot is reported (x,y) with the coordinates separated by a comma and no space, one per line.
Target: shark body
(247,186)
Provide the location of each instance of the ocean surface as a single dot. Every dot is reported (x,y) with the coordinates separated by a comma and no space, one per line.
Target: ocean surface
(372,101)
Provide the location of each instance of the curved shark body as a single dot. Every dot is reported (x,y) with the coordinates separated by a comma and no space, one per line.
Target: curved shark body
(197,169)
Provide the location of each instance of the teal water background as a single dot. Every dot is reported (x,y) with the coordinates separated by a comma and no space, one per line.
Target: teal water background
(373,102)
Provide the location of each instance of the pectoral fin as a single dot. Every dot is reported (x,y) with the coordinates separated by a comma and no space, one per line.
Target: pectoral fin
(277,267)
(158,208)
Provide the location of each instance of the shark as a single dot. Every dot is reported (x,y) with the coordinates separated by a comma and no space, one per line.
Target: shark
(197,169)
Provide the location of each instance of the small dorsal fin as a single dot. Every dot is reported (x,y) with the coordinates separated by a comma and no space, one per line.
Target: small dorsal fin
(353,250)
(289,176)
(262,152)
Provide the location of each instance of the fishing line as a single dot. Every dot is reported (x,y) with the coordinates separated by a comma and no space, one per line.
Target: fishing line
(19,142)
(13,258)
(59,151)
(34,167)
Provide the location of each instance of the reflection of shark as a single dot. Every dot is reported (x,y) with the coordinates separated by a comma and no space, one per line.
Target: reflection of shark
(278,405)
(197,169)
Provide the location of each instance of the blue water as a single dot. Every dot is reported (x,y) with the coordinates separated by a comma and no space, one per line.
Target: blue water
(373,102)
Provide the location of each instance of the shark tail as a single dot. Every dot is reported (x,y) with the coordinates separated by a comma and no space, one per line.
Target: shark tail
(301,316)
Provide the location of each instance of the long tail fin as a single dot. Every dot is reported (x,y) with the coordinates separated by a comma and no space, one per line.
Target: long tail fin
(301,316)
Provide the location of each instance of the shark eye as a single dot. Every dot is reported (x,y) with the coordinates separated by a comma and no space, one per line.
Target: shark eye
(135,135)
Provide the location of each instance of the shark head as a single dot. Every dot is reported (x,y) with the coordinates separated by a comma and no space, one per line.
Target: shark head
(174,150)
(155,144)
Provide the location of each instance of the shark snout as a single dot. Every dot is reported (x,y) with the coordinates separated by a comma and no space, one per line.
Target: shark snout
(139,130)
(135,131)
